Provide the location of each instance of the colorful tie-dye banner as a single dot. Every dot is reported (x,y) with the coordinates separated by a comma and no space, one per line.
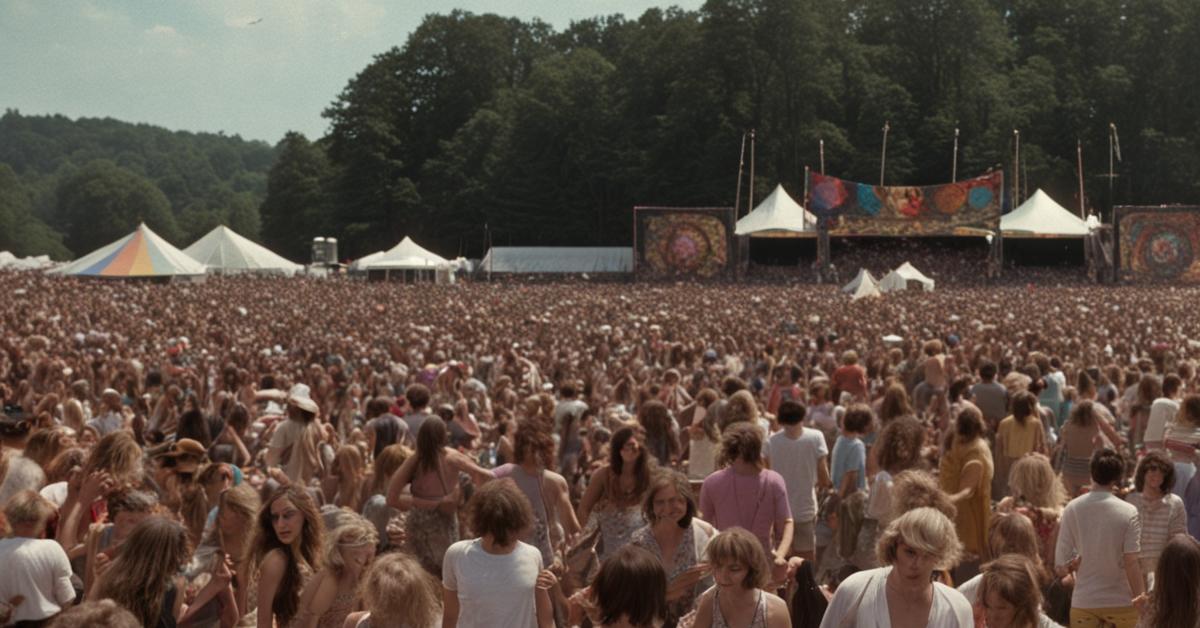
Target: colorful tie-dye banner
(1159,243)
(671,242)
(970,207)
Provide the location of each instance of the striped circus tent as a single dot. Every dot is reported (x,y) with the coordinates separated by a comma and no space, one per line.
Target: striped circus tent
(142,253)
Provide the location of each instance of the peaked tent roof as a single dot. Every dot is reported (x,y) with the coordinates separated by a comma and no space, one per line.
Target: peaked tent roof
(1040,217)
(558,259)
(864,275)
(404,256)
(780,216)
(866,289)
(898,279)
(224,249)
(142,253)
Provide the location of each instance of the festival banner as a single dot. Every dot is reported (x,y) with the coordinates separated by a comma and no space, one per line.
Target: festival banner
(1159,243)
(672,242)
(970,207)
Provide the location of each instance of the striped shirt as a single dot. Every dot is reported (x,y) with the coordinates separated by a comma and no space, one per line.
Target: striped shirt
(1161,519)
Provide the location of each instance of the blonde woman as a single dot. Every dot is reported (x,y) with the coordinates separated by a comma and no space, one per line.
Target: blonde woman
(902,592)
(328,598)
(398,592)
(1036,492)
(227,541)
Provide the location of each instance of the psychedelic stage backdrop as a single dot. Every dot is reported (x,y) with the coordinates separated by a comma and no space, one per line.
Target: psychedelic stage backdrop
(683,242)
(858,209)
(1159,242)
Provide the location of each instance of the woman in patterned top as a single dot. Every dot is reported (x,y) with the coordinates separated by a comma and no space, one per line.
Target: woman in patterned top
(677,538)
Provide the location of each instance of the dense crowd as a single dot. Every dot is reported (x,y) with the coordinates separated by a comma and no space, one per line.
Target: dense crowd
(300,452)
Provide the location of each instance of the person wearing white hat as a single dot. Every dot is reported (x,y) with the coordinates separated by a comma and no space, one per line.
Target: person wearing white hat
(295,445)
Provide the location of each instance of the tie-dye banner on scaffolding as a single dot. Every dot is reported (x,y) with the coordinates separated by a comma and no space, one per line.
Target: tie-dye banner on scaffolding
(970,207)
(671,242)
(1159,243)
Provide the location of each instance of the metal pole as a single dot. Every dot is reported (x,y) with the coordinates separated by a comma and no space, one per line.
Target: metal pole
(750,203)
(1079,154)
(1017,168)
(737,197)
(822,157)
(883,156)
(954,170)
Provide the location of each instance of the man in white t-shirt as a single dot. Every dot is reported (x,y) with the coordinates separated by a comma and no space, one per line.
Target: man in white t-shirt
(799,455)
(1100,539)
(1162,412)
(36,570)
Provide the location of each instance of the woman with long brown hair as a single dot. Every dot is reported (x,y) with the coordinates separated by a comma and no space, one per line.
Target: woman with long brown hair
(614,496)
(1018,434)
(432,507)
(287,550)
(1175,600)
(144,576)
(966,476)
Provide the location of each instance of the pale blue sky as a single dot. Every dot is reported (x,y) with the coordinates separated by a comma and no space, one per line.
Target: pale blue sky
(200,65)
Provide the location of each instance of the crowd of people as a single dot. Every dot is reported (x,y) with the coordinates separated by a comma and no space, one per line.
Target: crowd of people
(301,452)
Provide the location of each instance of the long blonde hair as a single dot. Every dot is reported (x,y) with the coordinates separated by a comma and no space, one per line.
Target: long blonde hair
(397,586)
(1033,480)
(143,568)
(354,531)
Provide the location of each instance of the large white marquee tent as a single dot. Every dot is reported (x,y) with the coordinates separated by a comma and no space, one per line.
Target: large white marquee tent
(225,251)
(778,216)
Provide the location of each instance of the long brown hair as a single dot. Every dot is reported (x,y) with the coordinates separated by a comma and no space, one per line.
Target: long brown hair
(431,440)
(144,566)
(1177,584)
(307,547)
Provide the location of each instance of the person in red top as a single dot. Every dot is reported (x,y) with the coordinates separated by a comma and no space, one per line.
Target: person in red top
(850,377)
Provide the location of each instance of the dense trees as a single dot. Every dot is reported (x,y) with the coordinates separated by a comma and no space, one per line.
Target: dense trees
(551,137)
(132,172)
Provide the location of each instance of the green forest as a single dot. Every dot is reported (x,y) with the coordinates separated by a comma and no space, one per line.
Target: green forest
(551,137)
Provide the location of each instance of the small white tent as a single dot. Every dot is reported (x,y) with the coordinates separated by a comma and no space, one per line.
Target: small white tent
(407,255)
(864,276)
(866,289)
(1040,217)
(360,264)
(778,216)
(898,279)
(225,251)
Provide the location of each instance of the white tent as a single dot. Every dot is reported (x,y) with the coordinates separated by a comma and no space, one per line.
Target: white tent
(898,279)
(360,264)
(778,216)
(407,255)
(224,250)
(866,289)
(864,276)
(1040,217)
(142,253)
(8,261)
(557,259)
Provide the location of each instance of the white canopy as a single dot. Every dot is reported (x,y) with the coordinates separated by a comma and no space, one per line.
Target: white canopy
(142,253)
(1040,217)
(361,263)
(8,261)
(224,250)
(558,259)
(898,279)
(407,255)
(866,289)
(864,276)
(778,216)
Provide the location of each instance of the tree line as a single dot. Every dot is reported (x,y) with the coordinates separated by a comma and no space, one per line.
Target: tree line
(484,127)
(70,186)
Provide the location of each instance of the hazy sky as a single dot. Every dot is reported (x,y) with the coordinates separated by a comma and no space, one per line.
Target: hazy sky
(204,65)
